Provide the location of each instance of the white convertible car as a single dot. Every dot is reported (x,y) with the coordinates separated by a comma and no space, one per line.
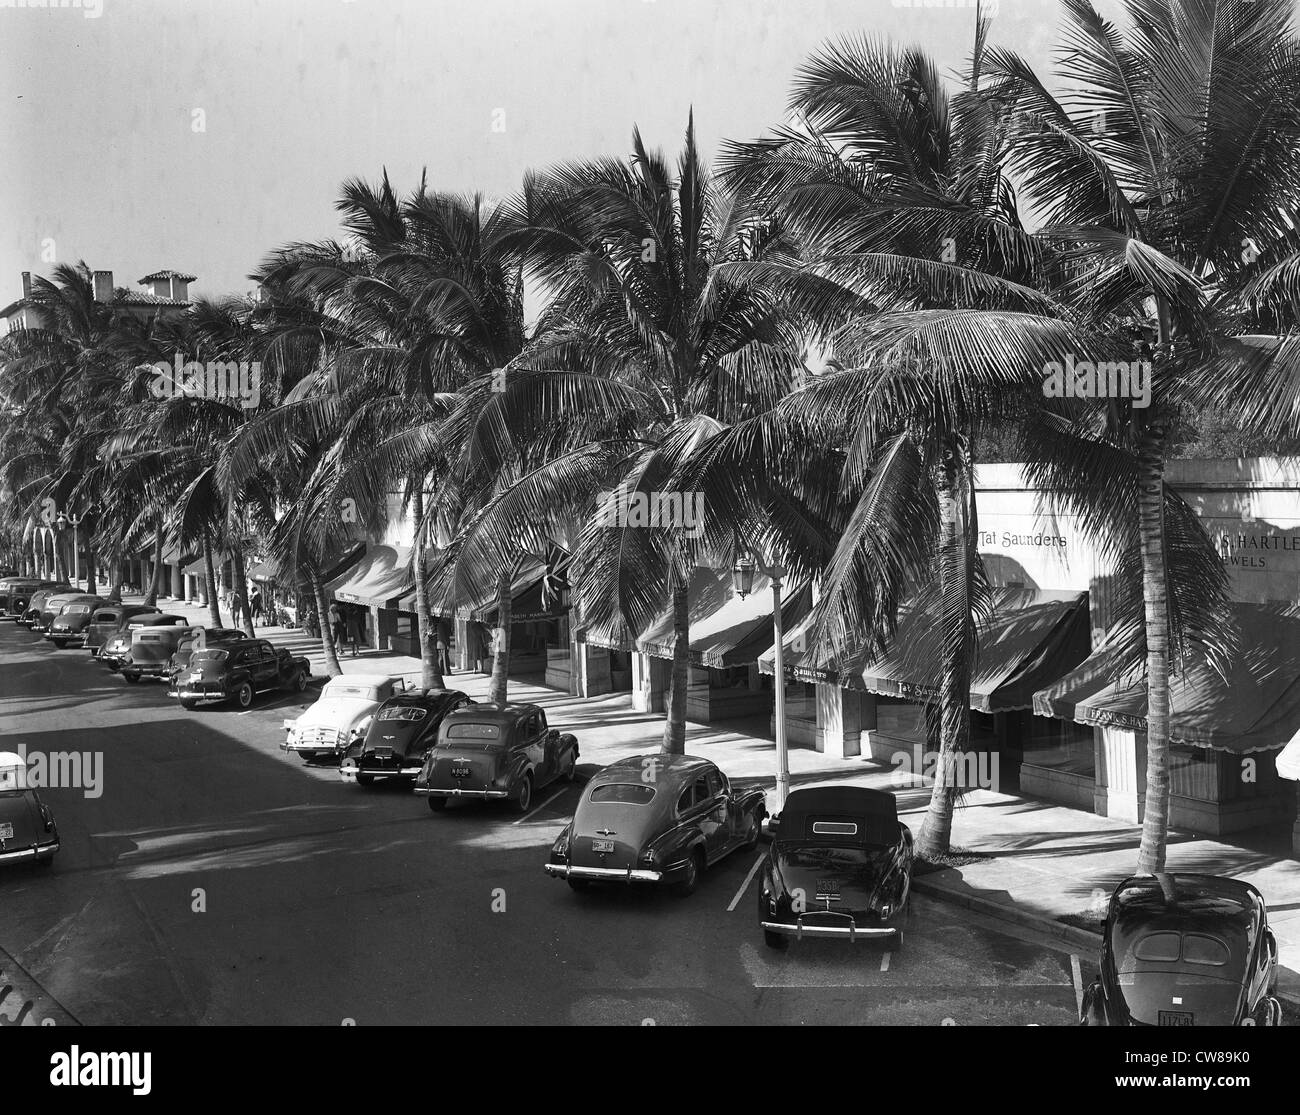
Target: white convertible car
(340,715)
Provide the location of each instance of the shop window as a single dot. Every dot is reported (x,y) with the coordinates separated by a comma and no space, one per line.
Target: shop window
(1059,744)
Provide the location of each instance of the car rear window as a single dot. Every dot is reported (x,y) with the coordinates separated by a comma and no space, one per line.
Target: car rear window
(626,793)
(402,712)
(106,617)
(350,691)
(1157,948)
(1200,949)
(209,656)
(473,731)
(76,609)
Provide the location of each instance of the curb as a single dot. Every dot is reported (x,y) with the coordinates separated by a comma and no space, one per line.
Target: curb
(1082,940)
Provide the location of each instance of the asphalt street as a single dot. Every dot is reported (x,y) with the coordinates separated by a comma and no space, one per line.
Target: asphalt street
(216,880)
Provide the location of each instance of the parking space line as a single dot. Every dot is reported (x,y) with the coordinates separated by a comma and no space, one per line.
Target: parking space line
(558,793)
(748,879)
(884,961)
(1076,978)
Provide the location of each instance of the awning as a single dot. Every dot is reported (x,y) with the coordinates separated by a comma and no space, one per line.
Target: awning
(264,571)
(1034,636)
(1288,759)
(530,599)
(1256,709)
(381,576)
(724,629)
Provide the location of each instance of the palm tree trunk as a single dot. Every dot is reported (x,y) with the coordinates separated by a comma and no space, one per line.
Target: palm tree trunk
(427,629)
(954,692)
(332,667)
(155,582)
(501,643)
(241,590)
(115,575)
(1155,596)
(210,580)
(674,741)
(92,579)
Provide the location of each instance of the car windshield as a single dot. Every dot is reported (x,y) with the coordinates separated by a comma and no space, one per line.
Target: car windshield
(624,793)
(402,712)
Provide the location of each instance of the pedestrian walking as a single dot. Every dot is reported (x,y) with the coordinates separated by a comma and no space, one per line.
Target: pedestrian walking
(338,628)
(257,605)
(353,629)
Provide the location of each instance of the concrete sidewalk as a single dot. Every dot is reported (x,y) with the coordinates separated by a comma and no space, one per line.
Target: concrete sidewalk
(1040,865)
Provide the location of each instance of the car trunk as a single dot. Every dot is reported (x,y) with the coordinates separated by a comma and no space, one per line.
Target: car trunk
(608,834)
(463,767)
(20,819)
(1165,995)
(834,880)
(151,649)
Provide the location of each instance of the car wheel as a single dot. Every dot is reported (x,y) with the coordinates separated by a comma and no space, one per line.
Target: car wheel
(755,828)
(132,678)
(189,706)
(895,943)
(60,643)
(244,695)
(773,940)
(300,680)
(45,861)
(579,884)
(571,769)
(689,881)
(365,779)
(437,804)
(524,798)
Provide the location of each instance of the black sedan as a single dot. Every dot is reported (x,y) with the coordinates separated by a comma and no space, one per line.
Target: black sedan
(840,866)
(658,819)
(1185,950)
(402,731)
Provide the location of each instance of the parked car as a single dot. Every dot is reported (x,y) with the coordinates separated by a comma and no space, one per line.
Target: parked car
(340,715)
(840,866)
(401,732)
(655,819)
(69,627)
(14,594)
(31,618)
(111,618)
(190,641)
(496,752)
(54,604)
(152,645)
(1185,950)
(117,649)
(27,828)
(240,670)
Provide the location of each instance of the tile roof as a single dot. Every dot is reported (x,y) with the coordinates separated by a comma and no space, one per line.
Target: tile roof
(144,298)
(166,273)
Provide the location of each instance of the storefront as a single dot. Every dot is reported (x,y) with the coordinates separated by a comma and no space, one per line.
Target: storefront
(373,589)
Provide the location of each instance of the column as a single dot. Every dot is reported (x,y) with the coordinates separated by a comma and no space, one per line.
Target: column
(839,721)
(651,678)
(380,637)
(178,590)
(1121,786)
(1295,829)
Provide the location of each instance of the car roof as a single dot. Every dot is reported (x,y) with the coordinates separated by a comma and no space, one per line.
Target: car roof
(496,714)
(675,767)
(1186,894)
(423,697)
(872,815)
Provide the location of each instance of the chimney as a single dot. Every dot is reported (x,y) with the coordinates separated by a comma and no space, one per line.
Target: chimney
(103,286)
(180,290)
(27,284)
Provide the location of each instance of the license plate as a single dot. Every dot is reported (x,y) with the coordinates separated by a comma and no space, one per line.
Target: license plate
(460,771)
(1175,1018)
(602,845)
(6,832)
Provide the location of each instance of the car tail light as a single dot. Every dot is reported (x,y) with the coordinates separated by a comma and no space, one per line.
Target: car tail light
(561,845)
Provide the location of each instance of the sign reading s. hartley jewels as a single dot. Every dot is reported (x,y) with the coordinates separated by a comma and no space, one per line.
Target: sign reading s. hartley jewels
(1252,551)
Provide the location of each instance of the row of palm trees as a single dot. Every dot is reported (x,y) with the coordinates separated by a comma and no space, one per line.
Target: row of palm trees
(945,244)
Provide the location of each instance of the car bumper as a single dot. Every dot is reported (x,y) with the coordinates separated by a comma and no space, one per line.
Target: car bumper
(850,931)
(603,874)
(349,774)
(41,851)
(301,748)
(69,636)
(483,795)
(186,694)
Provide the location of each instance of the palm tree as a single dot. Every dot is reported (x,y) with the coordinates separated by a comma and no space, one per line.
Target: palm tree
(1165,169)
(647,351)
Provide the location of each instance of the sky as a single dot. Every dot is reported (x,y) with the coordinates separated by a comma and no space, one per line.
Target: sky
(198,135)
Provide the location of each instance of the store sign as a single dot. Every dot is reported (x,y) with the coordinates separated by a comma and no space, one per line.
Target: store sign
(1257,550)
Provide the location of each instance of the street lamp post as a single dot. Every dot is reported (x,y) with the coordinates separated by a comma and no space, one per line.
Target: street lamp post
(743,580)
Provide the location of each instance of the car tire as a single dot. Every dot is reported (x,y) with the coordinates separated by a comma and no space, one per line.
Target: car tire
(570,773)
(60,643)
(300,680)
(694,869)
(437,804)
(189,706)
(45,861)
(244,695)
(523,801)
(755,830)
(579,884)
(895,943)
(365,779)
(132,678)
(773,940)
